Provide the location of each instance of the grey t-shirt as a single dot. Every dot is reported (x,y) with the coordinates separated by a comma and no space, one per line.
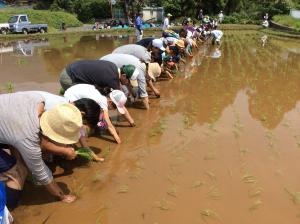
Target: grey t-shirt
(126,59)
(51,100)
(136,50)
(20,128)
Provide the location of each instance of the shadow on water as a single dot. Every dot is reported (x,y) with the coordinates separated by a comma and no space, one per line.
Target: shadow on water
(220,144)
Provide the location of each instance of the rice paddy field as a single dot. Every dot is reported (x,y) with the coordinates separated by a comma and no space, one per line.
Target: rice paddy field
(222,144)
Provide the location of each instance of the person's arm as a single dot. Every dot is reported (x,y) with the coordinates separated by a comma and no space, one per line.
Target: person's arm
(56,149)
(152,87)
(146,102)
(56,191)
(32,155)
(110,126)
(129,118)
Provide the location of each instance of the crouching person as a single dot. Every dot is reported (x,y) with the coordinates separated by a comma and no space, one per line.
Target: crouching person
(28,130)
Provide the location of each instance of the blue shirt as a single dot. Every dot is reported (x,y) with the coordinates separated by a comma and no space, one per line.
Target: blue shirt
(2,200)
(138,21)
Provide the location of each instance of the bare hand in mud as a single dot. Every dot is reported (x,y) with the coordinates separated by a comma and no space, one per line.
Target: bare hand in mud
(68,198)
(132,124)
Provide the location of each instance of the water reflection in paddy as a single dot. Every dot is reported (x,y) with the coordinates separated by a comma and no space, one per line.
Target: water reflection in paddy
(221,145)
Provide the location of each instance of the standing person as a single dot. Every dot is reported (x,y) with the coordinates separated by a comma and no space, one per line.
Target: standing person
(200,15)
(104,74)
(30,133)
(139,27)
(220,17)
(166,24)
(116,97)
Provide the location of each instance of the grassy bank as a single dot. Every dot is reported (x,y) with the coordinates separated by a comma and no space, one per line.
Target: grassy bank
(53,19)
(287,21)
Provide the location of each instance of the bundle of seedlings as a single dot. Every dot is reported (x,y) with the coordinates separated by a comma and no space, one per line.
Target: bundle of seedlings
(85,153)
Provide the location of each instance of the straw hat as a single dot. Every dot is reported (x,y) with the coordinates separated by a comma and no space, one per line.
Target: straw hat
(154,70)
(62,124)
(180,43)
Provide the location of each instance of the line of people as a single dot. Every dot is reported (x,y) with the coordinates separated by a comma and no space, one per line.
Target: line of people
(36,123)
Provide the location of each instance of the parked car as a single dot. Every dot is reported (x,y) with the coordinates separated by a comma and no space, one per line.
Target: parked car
(21,24)
(4,28)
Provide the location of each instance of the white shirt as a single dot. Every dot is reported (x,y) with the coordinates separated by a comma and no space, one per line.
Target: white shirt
(80,91)
(166,24)
(217,34)
(51,100)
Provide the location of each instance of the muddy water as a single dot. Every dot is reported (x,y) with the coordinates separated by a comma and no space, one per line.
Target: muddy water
(222,145)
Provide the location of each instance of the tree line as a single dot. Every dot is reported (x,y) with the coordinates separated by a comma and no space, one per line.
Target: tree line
(235,10)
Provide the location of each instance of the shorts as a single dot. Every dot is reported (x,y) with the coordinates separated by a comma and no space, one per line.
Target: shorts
(65,80)
(7,161)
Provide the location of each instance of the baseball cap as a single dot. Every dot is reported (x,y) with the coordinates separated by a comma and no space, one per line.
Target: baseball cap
(119,99)
(128,70)
(158,43)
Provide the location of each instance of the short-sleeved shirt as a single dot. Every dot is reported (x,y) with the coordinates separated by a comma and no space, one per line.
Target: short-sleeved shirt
(20,128)
(136,50)
(126,59)
(51,100)
(94,72)
(80,91)
(145,42)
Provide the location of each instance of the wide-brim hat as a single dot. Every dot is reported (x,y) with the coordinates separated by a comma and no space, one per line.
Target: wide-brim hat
(180,43)
(154,70)
(62,124)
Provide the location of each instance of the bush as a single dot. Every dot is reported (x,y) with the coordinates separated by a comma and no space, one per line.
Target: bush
(287,21)
(53,19)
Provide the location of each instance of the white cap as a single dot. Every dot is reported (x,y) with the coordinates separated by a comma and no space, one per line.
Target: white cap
(119,99)
(158,43)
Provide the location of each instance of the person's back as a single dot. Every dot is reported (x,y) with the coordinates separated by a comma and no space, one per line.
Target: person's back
(124,59)
(145,42)
(136,50)
(95,72)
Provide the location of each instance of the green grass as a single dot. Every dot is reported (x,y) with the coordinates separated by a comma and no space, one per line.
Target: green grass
(53,19)
(287,21)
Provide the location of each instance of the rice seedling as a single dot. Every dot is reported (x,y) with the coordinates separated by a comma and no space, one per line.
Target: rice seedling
(9,87)
(105,152)
(244,151)
(84,153)
(123,189)
(214,193)
(187,122)
(210,156)
(255,192)
(172,192)
(159,129)
(295,196)
(230,173)
(22,61)
(197,184)
(211,175)
(78,191)
(208,213)
(163,205)
(249,179)
(98,177)
(256,204)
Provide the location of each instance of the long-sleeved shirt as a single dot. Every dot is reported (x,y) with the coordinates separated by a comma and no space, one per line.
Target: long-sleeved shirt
(20,128)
